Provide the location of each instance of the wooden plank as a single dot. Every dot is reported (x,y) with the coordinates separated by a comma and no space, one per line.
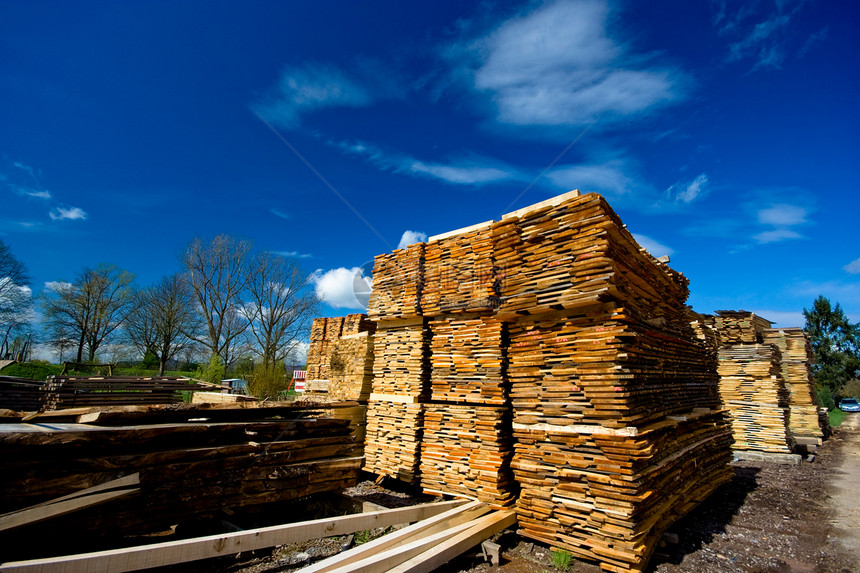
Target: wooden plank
(455,232)
(173,552)
(482,529)
(400,399)
(36,514)
(462,514)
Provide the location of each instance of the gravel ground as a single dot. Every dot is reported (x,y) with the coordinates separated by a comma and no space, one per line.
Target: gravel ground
(769,519)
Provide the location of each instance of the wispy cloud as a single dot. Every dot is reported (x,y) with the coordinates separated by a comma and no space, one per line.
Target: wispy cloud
(782,215)
(613,178)
(558,66)
(280,214)
(462,174)
(57,286)
(853,267)
(689,191)
(292,254)
(70,213)
(303,89)
(472,170)
(777,235)
(759,31)
(411,237)
(653,246)
(337,287)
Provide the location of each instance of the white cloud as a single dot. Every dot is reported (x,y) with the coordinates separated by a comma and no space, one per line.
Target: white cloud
(72,213)
(762,35)
(337,287)
(782,215)
(610,178)
(558,66)
(298,353)
(472,171)
(280,214)
(307,88)
(654,247)
(57,286)
(411,237)
(293,254)
(691,191)
(459,174)
(777,235)
(853,267)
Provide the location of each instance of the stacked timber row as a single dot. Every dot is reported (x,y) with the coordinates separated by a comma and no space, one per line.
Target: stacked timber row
(611,400)
(82,391)
(401,368)
(468,443)
(340,358)
(751,383)
(194,461)
(617,423)
(796,351)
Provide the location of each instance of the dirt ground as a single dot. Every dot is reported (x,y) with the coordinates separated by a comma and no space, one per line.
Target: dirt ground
(769,519)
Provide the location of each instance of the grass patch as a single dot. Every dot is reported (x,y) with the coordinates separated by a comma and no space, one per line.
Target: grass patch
(837,416)
(561,559)
(32,370)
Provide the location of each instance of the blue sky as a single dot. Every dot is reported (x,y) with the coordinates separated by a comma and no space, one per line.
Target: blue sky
(725,134)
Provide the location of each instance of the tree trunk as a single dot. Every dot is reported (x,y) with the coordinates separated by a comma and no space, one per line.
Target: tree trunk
(81,349)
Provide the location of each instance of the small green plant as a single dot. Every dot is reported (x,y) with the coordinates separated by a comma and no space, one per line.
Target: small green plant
(363,536)
(836,416)
(561,559)
(213,373)
(268,382)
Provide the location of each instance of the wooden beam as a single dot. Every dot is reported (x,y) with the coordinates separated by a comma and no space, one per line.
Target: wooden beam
(482,529)
(183,551)
(462,514)
(36,514)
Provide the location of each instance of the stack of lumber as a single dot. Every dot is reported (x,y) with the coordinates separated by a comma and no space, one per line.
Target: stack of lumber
(395,411)
(397,282)
(21,393)
(79,391)
(755,395)
(796,351)
(468,359)
(459,274)
(607,495)
(351,367)
(340,358)
(574,251)
(467,450)
(740,326)
(193,461)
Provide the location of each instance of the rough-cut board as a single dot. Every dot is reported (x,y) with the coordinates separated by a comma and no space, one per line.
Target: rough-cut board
(174,552)
(796,352)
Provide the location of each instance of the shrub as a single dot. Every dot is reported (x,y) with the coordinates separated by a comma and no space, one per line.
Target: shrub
(825,398)
(214,372)
(268,382)
(561,559)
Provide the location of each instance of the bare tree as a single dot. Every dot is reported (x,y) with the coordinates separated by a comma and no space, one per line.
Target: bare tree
(280,307)
(216,273)
(91,308)
(163,319)
(15,296)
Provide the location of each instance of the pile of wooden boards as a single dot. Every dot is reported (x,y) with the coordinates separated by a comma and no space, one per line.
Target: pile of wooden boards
(796,367)
(21,394)
(751,383)
(193,461)
(80,391)
(574,359)
(340,358)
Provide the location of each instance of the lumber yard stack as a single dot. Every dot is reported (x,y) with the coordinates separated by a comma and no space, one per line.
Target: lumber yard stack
(617,422)
(340,358)
(468,440)
(21,394)
(613,401)
(401,366)
(193,461)
(751,383)
(81,391)
(796,351)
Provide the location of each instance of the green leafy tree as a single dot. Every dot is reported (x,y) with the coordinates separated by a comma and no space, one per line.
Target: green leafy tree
(835,343)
